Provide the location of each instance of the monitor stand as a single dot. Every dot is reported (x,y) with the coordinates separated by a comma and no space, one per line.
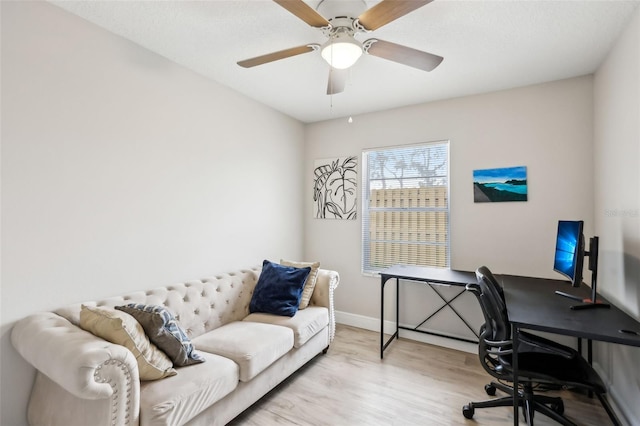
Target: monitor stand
(591,303)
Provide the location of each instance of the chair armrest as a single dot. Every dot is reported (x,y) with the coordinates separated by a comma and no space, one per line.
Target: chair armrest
(533,343)
(473,287)
(530,343)
(323,296)
(498,347)
(86,366)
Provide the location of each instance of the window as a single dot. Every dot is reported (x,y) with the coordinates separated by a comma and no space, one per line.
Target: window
(405,206)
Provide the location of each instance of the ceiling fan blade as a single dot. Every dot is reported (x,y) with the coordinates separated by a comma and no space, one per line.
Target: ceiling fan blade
(337,81)
(275,56)
(402,54)
(387,11)
(304,12)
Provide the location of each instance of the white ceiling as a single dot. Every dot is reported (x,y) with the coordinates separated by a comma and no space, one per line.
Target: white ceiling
(487,46)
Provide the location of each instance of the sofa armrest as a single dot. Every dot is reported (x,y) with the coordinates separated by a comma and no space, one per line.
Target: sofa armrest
(323,296)
(84,365)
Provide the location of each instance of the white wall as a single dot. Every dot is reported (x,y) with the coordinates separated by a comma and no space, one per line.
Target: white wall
(617,203)
(123,171)
(546,127)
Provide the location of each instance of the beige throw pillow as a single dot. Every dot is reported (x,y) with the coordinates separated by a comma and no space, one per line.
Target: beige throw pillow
(123,329)
(311,279)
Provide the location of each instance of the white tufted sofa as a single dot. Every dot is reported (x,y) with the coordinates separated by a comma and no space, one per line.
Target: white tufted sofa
(84,380)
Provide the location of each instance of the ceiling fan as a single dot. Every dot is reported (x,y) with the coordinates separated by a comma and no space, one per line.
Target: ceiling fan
(342,50)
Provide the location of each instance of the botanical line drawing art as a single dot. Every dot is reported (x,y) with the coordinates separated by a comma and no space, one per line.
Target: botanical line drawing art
(334,188)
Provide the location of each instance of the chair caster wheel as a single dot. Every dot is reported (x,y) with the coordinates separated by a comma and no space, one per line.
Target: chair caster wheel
(490,390)
(467,411)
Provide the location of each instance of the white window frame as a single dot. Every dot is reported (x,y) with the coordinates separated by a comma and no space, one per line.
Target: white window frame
(424,210)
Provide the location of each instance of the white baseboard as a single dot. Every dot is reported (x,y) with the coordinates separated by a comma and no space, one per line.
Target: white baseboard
(373,324)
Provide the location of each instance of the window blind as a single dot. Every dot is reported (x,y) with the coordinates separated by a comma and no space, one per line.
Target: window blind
(405,210)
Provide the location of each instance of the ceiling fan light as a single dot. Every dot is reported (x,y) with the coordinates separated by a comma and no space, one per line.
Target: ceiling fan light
(341,51)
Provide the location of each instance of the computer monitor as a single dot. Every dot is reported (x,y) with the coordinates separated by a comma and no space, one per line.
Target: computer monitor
(569,258)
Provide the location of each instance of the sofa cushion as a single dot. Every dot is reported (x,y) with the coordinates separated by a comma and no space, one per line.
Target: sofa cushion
(310,284)
(253,346)
(176,400)
(279,289)
(305,323)
(123,329)
(163,330)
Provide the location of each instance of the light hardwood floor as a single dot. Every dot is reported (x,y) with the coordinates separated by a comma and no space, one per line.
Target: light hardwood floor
(415,384)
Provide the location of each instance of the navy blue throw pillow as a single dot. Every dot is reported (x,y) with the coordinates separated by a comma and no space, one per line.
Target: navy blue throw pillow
(279,289)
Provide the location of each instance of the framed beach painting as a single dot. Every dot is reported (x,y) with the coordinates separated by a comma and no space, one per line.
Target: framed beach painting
(498,185)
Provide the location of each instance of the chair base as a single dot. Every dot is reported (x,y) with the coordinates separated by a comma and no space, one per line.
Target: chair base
(552,407)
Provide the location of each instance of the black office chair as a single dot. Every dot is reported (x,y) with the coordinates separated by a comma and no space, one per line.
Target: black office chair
(528,342)
(540,361)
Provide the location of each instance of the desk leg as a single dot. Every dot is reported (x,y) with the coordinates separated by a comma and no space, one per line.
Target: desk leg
(397,308)
(383,344)
(516,393)
(382,317)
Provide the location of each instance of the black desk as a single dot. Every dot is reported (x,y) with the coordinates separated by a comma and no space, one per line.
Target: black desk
(433,277)
(532,304)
